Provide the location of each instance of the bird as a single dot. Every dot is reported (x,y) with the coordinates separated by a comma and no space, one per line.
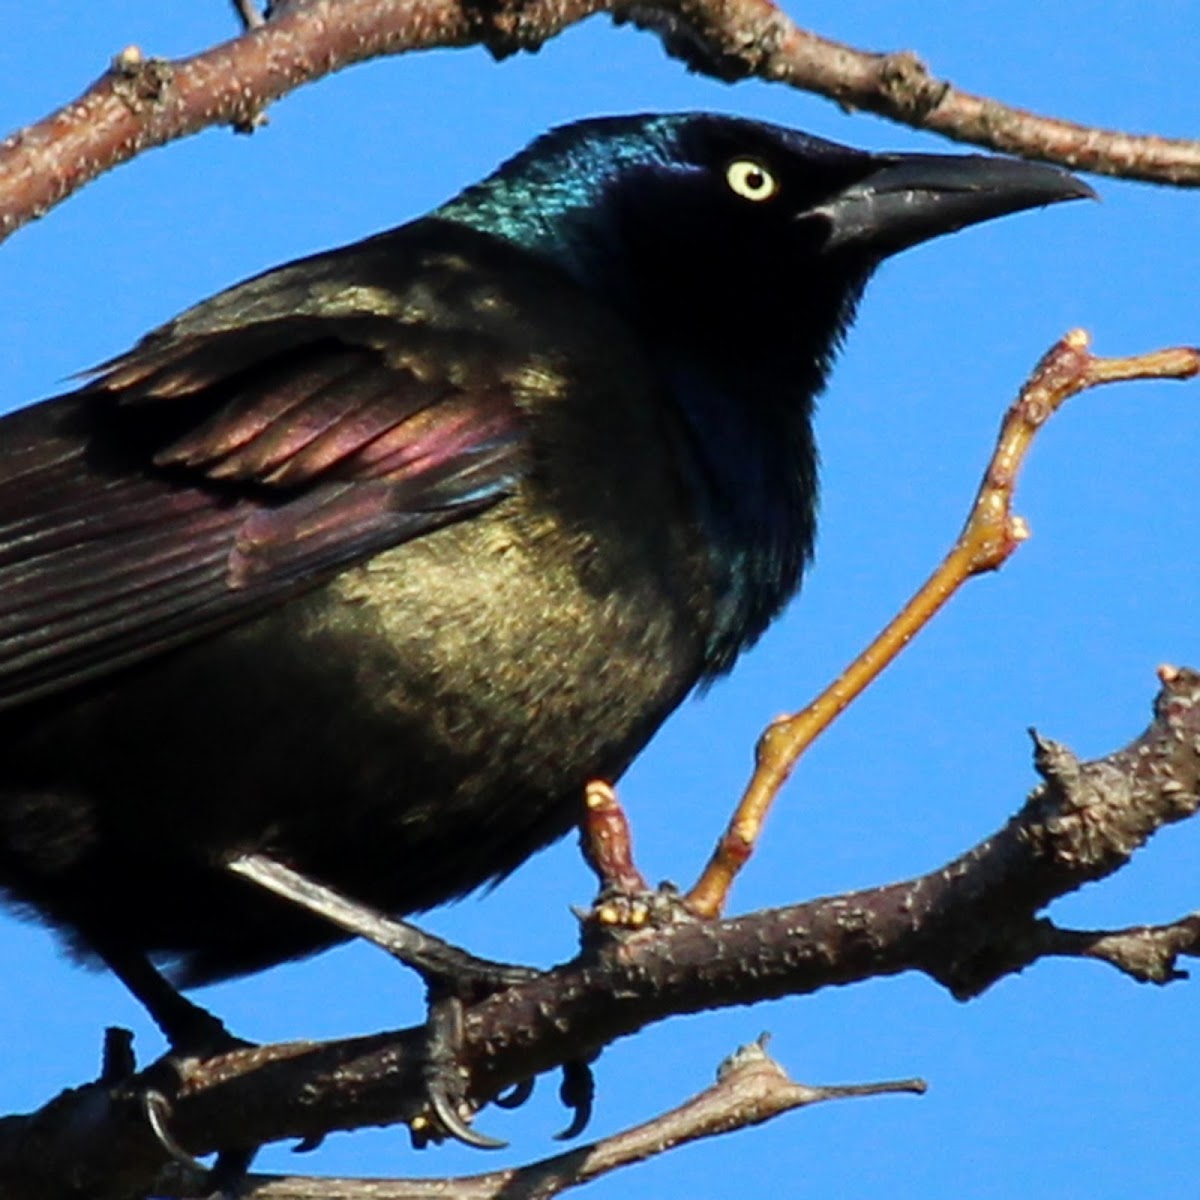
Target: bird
(370,563)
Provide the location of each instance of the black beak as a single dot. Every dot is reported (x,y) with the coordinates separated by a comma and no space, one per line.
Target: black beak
(914,197)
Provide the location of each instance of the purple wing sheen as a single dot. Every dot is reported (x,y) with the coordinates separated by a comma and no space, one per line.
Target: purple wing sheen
(196,482)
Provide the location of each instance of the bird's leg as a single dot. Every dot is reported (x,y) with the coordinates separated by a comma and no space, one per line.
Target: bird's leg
(990,535)
(453,976)
(192,1032)
(441,964)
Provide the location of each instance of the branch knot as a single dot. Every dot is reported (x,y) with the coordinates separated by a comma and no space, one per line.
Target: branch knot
(906,82)
(141,82)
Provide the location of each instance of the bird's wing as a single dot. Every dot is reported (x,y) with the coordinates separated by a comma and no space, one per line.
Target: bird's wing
(210,473)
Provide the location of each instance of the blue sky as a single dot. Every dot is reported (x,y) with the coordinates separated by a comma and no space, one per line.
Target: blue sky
(1069,1081)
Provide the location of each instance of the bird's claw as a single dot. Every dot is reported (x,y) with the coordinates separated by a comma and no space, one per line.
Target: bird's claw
(226,1175)
(516,1095)
(577,1092)
(157,1110)
(444,1079)
(223,1179)
(452,1124)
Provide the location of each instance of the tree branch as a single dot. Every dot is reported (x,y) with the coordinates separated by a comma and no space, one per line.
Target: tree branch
(966,925)
(141,102)
(751,1088)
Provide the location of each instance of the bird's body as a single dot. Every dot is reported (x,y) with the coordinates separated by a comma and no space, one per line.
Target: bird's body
(371,563)
(444,699)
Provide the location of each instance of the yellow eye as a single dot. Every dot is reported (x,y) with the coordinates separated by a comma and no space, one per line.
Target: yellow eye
(751,180)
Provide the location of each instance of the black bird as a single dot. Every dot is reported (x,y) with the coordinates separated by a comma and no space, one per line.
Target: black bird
(369,563)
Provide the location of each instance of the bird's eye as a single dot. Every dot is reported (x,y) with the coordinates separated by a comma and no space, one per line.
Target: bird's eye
(751,180)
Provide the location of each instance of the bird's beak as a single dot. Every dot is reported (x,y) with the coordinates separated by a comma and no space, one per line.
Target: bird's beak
(913,197)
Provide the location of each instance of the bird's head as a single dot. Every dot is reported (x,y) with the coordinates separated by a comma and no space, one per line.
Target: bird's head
(737,252)
(734,235)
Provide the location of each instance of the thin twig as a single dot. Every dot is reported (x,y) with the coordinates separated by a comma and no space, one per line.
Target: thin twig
(607,842)
(248,13)
(1147,953)
(739,38)
(990,535)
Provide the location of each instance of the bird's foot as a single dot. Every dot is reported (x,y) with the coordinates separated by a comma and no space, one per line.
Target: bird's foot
(119,1067)
(448,1110)
(454,978)
(223,1180)
(196,1033)
(192,1032)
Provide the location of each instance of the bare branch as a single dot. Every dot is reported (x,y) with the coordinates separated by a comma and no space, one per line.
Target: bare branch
(751,1088)
(141,102)
(966,925)
(1147,953)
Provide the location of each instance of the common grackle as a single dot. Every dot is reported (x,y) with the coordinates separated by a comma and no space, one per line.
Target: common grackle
(371,562)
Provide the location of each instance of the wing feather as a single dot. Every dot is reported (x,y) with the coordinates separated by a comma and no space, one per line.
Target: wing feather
(208,475)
